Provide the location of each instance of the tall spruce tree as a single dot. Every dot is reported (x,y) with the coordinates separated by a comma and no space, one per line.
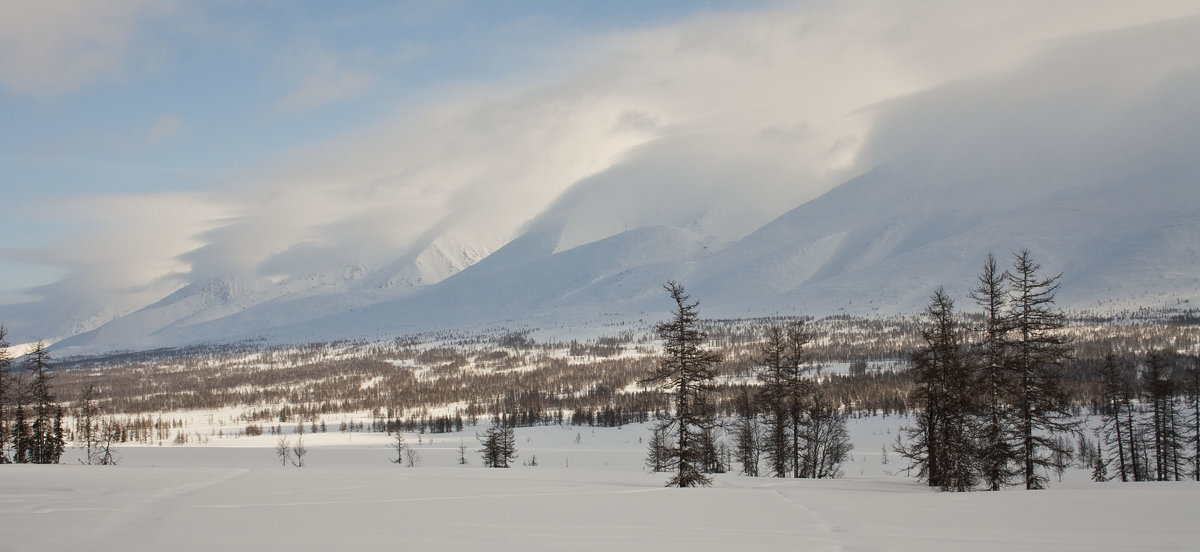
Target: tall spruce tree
(58,439)
(1099,465)
(686,372)
(499,443)
(997,450)
(941,446)
(801,391)
(1193,408)
(6,395)
(1117,403)
(1038,351)
(46,436)
(22,438)
(1164,432)
(776,396)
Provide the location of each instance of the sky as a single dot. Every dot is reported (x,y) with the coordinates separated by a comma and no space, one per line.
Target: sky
(150,144)
(131,98)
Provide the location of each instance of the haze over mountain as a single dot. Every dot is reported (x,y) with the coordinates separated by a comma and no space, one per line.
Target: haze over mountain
(781,161)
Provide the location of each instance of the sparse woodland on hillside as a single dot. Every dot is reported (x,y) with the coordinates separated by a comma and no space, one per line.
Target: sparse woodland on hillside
(777,391)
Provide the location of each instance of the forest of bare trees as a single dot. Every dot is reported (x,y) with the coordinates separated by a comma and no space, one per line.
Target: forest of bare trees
(781,384)
(993,402)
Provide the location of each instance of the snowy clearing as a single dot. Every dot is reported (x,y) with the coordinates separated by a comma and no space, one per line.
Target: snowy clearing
(588,492)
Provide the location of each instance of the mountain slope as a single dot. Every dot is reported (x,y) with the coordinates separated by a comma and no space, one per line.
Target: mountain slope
(1090,165)
(1086,157)
(882,258)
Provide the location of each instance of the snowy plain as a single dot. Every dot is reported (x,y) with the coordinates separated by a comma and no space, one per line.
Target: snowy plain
(589,491)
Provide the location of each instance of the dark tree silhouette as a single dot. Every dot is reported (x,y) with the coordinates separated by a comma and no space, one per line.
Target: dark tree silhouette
(110,433)
(686,372)
(1164,432)
(6,395)
(399,445)
(45,443)
(776,395)
(283,450)
(299,450)
(1117,430)
(1099,465)
(997,450)
(22,438)
(1193,407)
(801,393)
(826,441)
(658,453)
(941,446)
(499,443)
(87,425)
(1038,351)
(747,433)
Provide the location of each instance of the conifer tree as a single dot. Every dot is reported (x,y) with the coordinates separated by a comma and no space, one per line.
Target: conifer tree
(1160,398)
(499,444)
(1116,404)
(6,396)
(997,452)
(686,372)
(58,441)
(1100,465)
(777,397)
(45,440)
(1038,351)
(1193,407)
(942,444)
(22,437)
(800,392)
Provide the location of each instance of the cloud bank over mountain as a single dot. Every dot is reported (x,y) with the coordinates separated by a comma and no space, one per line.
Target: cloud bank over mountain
(790,159)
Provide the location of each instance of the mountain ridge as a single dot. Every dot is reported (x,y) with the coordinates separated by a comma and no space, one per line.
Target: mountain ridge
(1089,165)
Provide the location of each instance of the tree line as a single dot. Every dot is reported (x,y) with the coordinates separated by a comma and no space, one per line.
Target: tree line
(786,418)
(991,409)
(1151,418)
(768,400)
(36,427)
(404,377)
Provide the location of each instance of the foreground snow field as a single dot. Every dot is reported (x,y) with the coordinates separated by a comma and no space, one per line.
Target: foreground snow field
(587,493)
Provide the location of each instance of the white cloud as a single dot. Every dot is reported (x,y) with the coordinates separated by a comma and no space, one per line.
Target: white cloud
(133,237)
(128,258)
(746,114)
(57,47)
(1088,110)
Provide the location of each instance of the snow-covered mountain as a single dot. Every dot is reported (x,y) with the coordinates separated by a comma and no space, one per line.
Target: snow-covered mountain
(1094,170)
(872,245)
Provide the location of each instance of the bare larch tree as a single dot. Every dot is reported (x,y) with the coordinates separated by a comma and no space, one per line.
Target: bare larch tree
(686,372)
